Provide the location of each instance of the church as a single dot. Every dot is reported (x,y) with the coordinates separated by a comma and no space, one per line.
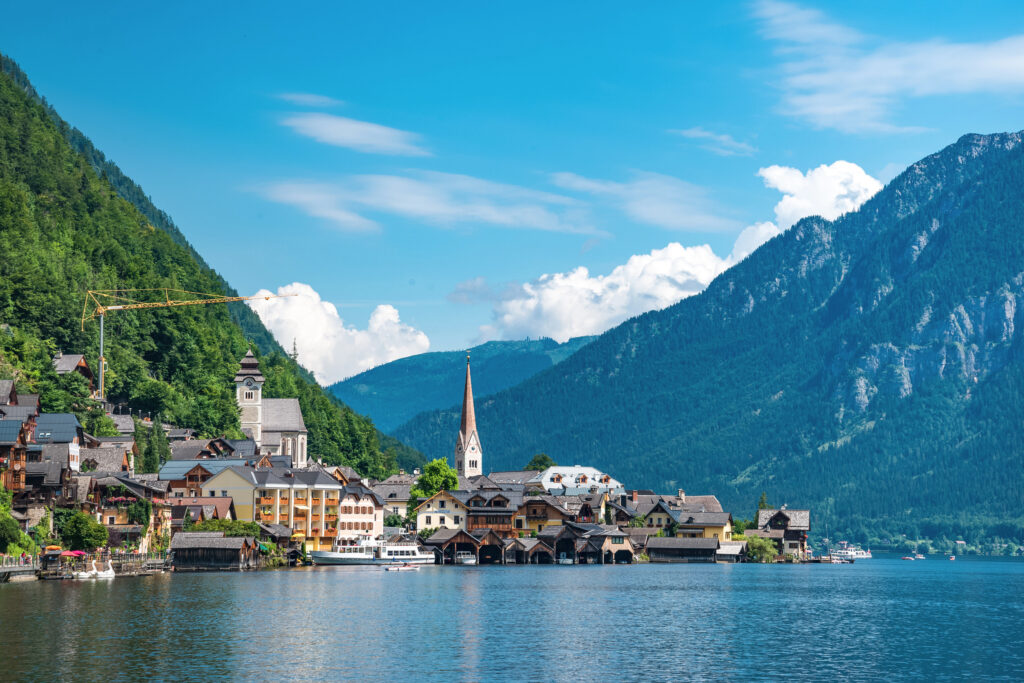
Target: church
(275,424)
(469,454)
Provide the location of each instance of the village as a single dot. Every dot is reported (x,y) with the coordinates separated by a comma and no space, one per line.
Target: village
(261,501)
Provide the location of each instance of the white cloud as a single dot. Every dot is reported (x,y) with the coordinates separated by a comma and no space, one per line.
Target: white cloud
(565,305)
(827,191)
(443,199)
(717,143)
(656,199)
(307,99)
(327,346)
(835,77)
(361,136)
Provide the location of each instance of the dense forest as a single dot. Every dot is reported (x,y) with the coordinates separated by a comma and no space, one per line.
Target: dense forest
(71,221)
(870,369)
(395,392)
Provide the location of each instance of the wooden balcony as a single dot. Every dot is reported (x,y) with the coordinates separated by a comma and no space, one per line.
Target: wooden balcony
(330,518)
(299,514)
(329,533)
(284,500)
(266,501)
(315,518)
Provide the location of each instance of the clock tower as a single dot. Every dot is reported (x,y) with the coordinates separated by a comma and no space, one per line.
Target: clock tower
(249,396)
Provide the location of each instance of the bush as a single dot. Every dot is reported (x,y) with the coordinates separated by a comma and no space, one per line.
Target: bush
(82,532)
(760,549)
(10,533)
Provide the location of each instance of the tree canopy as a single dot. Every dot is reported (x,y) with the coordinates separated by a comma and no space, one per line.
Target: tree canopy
(540,462)
(437,475)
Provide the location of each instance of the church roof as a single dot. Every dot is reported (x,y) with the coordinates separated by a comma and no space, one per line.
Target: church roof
(467,425)
(250,368)
(282,415)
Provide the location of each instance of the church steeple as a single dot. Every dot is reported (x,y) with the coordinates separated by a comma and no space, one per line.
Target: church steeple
(468,452)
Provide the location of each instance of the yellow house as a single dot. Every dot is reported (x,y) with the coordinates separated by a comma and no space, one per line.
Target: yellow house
(441,511)
(538,512)
(690,524)
(306,501)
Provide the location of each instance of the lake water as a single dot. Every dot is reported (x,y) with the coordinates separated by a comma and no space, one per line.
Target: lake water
(881,618)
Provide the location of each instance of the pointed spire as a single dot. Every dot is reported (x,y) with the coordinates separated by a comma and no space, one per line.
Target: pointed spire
(468,424)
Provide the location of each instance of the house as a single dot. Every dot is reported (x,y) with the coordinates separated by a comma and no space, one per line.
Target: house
(682,549)
(199,509)
(315,505)
(443,510)
(731,551)
(346,475)
(60,428)
(8,393)
(202,449)
(662,518)
(538,512)
(108,459)
(394,491)
(64,363)
(496,510)
(124,424)
(585,509)
(126,442)
(788,528)
(14,436)
(186,477)
(205,551)
(175,434)
(574,480)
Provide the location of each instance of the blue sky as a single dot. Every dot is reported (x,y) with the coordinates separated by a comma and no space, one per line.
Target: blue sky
(421,167)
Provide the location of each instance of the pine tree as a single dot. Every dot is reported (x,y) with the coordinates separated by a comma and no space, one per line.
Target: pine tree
(158,440)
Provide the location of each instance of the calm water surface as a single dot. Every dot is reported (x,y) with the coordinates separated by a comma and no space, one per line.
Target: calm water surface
(883,618)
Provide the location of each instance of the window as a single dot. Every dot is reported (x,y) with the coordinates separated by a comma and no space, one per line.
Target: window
(224,494)
(427,522)
(519,522)
(440,520)
(249,396)
(458,519)
(110,520)
(440,504)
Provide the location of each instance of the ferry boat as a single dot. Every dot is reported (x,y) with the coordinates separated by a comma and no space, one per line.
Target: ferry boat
(371,551)
(845,551)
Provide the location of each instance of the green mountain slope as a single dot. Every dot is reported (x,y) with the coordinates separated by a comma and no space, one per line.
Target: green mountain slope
(64,228)
(870,368)
(395,392)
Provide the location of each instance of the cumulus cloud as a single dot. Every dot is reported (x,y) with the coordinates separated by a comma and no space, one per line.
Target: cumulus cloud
(442,199)
(327,346)
(835,77)
(362,136)
(717,143)
(827,191)
(574,303)
(656,199)
(308,99)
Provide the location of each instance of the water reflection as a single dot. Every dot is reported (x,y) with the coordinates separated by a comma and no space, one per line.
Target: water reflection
(873,620)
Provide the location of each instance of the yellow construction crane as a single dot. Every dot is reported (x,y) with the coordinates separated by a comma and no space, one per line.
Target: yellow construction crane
(98,302)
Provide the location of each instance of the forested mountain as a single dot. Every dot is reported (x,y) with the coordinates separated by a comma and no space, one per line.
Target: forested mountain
(71,221)
(870,368)
(393,393)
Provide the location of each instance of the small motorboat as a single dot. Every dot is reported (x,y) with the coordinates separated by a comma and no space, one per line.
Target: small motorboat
(952,558)
(88,574)
(402,568)
(918,556)
(907,557)
(107,573)
(465,557)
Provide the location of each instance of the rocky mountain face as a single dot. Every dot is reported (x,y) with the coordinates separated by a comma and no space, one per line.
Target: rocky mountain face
(868,367)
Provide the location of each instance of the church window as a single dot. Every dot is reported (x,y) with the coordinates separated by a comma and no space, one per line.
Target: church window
(249,396)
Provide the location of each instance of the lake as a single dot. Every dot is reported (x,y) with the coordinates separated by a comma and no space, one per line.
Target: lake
(880,618)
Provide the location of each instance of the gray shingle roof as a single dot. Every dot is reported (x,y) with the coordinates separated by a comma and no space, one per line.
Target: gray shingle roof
(392,492)
(107,458)
(6,387)
(799,520)
(124,423)
(655,543)
(18,412)
(188,539)
(188,450)
(67,362)
(49,472)
(282,415)
(249,367)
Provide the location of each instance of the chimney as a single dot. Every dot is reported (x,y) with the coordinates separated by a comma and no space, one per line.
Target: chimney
(682,496)
(634,496)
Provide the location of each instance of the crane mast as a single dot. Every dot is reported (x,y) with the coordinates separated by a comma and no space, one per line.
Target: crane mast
(99,301)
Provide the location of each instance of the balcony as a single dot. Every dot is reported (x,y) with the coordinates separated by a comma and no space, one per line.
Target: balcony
(315,518)
(284,500)
(266,501)
(300,501)
(329,533)
(299,514)
(330,518)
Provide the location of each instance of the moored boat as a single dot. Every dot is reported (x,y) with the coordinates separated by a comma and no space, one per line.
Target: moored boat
(465,557)
(846,551)
(370,551)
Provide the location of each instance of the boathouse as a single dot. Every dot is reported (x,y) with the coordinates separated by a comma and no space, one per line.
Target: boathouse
(682,549)
(205,551)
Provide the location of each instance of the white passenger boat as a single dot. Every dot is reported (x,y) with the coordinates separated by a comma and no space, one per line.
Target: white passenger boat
(845,551)
(371,551)
(465,557)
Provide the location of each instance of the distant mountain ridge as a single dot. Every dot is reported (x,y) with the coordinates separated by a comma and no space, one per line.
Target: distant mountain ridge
(870,368)
(396,392)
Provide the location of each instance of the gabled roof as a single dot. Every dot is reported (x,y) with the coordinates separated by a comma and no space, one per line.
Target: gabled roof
(243,448)
(655,543)
(799,520)
(392,492)
(188,450)
(10,431)
(6,389)
(107,458)
(18,412)
(282,415)
(28,400)
(67,362)
(188,539)
(173,470)
(48,472)
(512,477)
(125,424)
(700,519)
(56,428)
(219,507)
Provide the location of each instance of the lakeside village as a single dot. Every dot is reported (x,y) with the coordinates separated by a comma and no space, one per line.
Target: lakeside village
(261,502)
